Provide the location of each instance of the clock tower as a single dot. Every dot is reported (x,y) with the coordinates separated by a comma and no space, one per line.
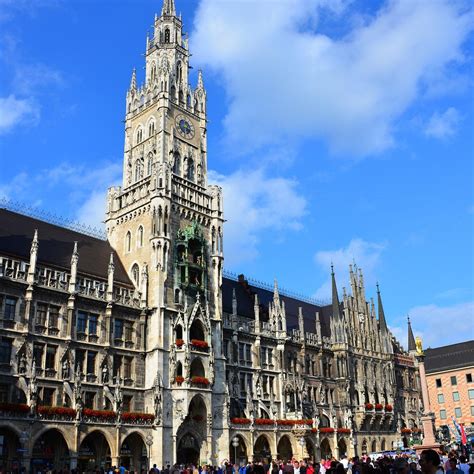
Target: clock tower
(166,223)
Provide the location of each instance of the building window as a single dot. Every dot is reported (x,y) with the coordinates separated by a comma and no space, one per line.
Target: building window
(48,397)
(136,274)
(41,312)
(93,318)
(470,393)
(454,380)
(51,357)
(457,412)
(440,398)
(118,329)
(91,356)
(456,396)
(89,400)
(117,366)
(4,393)
(472,411)
(438,383)
(127,368)
(127,403)
(442,414)
(38,355)
(469,378)
(81,322)
(10,308)
(128,331)
(128,242)
(87,321)
(80,356)
(140,237)
(53,317)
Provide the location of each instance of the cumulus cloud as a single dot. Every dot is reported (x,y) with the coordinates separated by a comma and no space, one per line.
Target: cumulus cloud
(443,125)
(287,79)
(255,202)
(438,325)
(366,255)
(14,112)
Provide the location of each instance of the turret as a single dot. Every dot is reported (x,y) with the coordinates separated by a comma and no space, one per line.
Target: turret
(33,259)
(74,262)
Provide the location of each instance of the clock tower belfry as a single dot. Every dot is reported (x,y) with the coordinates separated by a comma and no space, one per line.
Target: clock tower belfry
(166,224)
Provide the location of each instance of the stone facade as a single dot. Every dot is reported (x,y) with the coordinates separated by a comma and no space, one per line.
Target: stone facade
(136,347)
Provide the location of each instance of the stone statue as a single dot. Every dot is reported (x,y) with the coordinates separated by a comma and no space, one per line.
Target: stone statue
(105,373)
(322,395)
(334,420)
(258,389)
(235,387)
(211,368)
(65,369)
(187,363)
(419,346)
(172,362)
(118,397)
(157,400)
(348,419)
(22,364)
(316,419)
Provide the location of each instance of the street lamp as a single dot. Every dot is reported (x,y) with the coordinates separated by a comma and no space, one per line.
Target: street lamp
(235,443)
(149,442)
(301,441)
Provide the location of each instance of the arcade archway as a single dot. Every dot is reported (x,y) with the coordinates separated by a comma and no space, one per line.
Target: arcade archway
(9,445)
(284,449)
(188,450)
(342,448)
(326,452)
(374,446)
(133,453)
(94,452)
(238,454)
(261,449)
(50,452)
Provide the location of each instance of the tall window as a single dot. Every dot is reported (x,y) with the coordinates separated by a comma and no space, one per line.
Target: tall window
(41,311)
(440,398)
(118,328)
(89,400)
(127,368)
(38,350)
(10,307)
(190,169)
(80,357)
(140,237)
(167,35)
(177,164)
(136,274)
(5,350)
(179,72)
(53,316)
(91,357)
(81,322)
(456,396)
(51,357)
(139,135)
(454,380)
(93,318)
(470,393)
(128,242)
(457,412)
(48,396)
(438,383)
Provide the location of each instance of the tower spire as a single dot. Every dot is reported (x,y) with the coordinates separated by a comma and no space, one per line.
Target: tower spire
(411,338)
(133,82)
(335,297)
(382,320)
(168,8)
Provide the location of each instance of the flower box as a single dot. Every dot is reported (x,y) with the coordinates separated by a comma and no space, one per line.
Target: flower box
(378,406)
(136,417)
(264,421)
(326,429)
(179,379)
(60,412)
(14,407)
(388,407)
(416,430)
(344,430)
(369,406)
(200,380)
(198,343)
(240,421)
(405,430)
(179,342)
(314,430)
(105,415)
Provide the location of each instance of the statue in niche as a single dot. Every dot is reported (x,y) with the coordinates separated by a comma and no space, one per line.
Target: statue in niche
(65,369)
(105,373)
(118,397)
(22,364)
(157,400)
(322,395)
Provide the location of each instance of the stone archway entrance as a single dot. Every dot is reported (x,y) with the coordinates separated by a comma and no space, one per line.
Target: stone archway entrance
(326,452)
(188,450)
(50,452)
(133,453)
(9,445)
(342,448)
(261,449)
(238,454)
(94,452)
(284,449)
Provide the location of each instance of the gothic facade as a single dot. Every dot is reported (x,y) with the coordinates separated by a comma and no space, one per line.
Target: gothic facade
(137,348)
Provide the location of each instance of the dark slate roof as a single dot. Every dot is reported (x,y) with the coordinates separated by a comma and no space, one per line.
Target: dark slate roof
(449,357)
(56,245)
(245,294)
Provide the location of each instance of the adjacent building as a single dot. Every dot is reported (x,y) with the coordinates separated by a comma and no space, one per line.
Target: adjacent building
(136,346)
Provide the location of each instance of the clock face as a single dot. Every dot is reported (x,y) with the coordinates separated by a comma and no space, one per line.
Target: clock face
(184,127)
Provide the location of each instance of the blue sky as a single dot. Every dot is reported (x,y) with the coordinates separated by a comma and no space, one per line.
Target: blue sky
(340,130)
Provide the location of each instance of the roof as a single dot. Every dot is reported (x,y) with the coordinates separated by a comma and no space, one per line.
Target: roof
(55,246)
(454,356)
(245,294)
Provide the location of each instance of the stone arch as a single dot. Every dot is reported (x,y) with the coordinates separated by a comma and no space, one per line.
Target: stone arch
(284,449)
(238,454)
(197,330)
(341,448)
(383,445)
(373,447)
(261,448)
(325,447)
(11,443)
(50,450)
(133,452)
(197,368)
(311,448)
(98,447)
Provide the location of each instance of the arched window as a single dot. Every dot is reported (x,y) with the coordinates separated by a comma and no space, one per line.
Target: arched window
(188,101)
(177,164)
(136,274)
(173,93)
(167,35)
(139,135)
(151,129)
(179,72)
(190,175)
(181,97)
(153,73)
(139,169)
(140,237)
(128,242)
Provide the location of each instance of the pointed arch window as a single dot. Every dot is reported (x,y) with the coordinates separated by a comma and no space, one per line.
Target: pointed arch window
(140,237)
(167,35)
(179,71)
(151,128)
(177,164)
(139,169)
(149,164)
(181,97)
(190,174)
(136,274)
(173,93)
(188,101)
(128,242)
(153,73)
(139,135)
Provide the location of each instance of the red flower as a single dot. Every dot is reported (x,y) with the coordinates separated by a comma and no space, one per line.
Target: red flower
(314,430)
(200,380)
(388,407)
(240,421)
(101,414)
(263,421)
(59,411)
(136,416)
(344,430)
(369,406)
(179,342)
(199,343)
(326,429)
(15,407)
(179,379)
(378,406)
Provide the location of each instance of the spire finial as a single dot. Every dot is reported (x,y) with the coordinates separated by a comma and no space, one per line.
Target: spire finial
(411,337)
(382,320)
(200,80)
(168,8)
(133,82)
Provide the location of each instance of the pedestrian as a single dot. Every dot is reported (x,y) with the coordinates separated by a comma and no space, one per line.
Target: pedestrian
(453,467)
(430,462)
(463,465)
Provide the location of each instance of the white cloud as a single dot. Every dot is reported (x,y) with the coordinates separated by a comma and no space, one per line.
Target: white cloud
(14,112)
(443,125)
(92,211)
(286,81)
(439,325)
(255,203)
(365,254)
